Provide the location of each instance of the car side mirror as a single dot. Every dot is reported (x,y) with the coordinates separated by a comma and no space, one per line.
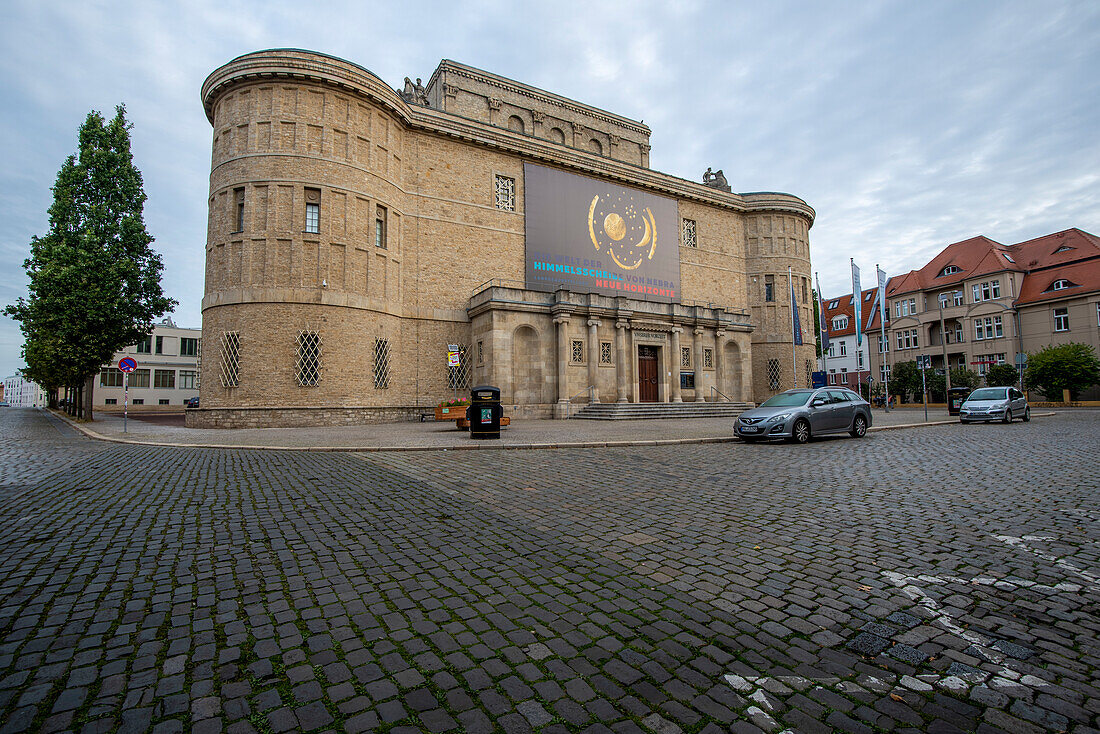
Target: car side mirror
(817,402)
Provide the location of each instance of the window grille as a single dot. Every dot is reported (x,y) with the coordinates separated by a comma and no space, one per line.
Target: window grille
(459,377)
(689,233)
(505,190)
(381,364)
(576,355)
(309,358)
(605,351)
(708,357)
(231,358)
(775,373)
(685,356)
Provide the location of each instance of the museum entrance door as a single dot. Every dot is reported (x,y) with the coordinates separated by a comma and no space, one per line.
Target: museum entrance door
(647,374)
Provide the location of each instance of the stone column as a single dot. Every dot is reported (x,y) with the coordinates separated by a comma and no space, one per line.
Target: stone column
(594,359)
(622,391)
(700,394)
(563,362)
(674,392)
(718,363)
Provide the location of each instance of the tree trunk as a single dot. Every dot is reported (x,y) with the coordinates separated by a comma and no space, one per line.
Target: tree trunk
(89,384)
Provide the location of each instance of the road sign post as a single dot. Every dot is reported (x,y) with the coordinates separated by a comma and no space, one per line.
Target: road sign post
(126,365)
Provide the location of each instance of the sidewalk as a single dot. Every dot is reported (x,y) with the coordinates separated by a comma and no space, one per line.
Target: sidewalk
(443,435)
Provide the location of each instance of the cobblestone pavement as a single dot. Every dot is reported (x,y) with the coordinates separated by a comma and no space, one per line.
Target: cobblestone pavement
(934,579)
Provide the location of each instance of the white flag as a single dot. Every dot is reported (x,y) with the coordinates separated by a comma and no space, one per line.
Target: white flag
(857,294)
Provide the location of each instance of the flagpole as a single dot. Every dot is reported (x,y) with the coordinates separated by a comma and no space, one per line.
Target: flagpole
(856,317)
(884,344)
(820,315)
(794,350)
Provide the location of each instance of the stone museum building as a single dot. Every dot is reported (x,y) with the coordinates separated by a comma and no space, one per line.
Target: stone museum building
(358,234)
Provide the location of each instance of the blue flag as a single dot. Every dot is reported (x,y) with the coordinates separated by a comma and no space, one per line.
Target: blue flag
(797,322)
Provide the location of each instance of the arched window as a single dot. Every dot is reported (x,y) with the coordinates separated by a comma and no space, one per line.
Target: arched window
(950,270)
(595,146)
(515,122)
(556,135)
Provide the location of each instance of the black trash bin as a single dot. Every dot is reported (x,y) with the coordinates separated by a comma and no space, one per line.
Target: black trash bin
(484,412)
(955,398)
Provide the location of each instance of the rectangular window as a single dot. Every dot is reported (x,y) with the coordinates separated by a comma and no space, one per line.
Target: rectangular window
(381,364)
(309,358)
(832,349)
(844,349)
(111,401)
(979,334)
(913,306)
(163,401)
(1098,314)
(380,227)
(458,376)
(897,309)
(859,358)
(189,347)
(998,327)
(996,289)
(775,372)
(313,211)
(231,358)
(110,377)
(576,351)
(480,353)
(901,341)
(238,210)
(689,233)
(708,357)
(805,292)
(605,352)
(139,378)
(160,345)
(958,298)
(504,191)
(988,328)
(687,380)
(985,291)
(769,288)
(976,292)
(144,346)
(685,356)
(1061,319)
(943,300)
(164,379)
(139,401)
(958,332)
(189,380)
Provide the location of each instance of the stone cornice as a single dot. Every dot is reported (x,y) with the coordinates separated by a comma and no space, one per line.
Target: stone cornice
(292,64)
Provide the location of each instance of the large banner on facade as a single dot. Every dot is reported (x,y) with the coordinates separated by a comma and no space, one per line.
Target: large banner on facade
(597,237)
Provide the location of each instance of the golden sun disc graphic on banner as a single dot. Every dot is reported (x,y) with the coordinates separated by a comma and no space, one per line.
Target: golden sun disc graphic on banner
(618,228)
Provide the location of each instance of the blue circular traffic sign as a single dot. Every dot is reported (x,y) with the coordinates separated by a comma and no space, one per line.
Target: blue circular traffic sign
(127,364)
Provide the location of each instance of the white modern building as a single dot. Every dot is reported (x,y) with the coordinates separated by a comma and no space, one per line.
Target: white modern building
(167,371)
(20,393)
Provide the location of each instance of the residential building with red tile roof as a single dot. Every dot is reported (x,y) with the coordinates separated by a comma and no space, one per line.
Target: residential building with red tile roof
(978,302)
(845,362)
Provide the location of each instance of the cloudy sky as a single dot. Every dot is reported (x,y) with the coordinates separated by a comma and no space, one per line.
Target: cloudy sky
(906,125)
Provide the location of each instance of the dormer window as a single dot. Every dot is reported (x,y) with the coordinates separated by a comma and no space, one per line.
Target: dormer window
(950,270)
(1063,248)
(869,295)
(840,323)
(832,304)
(1008,257)
(1060,285)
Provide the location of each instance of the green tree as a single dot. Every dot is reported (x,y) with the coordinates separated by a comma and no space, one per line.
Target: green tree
(905,379)
(1072,367)
(94,277)
(962,377)
(937,386)
(1002,375)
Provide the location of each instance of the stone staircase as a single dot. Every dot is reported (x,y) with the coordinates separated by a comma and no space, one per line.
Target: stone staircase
(655,411)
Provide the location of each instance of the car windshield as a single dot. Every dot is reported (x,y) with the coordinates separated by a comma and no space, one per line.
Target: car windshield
(786,400)
(988,393)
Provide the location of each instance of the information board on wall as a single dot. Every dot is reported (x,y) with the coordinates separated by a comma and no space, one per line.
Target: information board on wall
(596,237)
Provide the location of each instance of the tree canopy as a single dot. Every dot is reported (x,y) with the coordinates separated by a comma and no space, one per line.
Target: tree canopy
(1071,366)
(94,277)
(1002,375)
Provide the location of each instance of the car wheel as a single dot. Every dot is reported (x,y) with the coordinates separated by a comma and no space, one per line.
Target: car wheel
(801,431)
(1027,414)
(1007,416)
(859,427)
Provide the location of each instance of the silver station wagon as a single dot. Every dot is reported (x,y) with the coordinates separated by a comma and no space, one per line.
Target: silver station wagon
(799,414)
(994,404)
